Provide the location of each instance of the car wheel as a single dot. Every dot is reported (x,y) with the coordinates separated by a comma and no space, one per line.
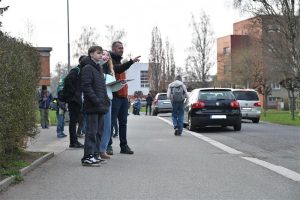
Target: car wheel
(191,124)
(237,127)
(256,120)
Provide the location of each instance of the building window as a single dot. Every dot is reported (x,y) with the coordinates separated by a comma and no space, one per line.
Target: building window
(144,79)
(275,99)
(271,28)
(226,50)
(226,69)
(275,86)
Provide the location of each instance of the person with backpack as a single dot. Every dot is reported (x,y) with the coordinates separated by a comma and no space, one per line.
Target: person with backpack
(45,98)
(177,92)
(72,94)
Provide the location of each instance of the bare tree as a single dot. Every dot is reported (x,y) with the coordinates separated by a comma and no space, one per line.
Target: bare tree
(284,19)
(61,71)
(88,38)
(156,59)
(113,34)
(200,61)
(2,10)
(169,63)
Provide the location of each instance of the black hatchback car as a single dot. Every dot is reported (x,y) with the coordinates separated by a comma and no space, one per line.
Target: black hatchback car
(212,107)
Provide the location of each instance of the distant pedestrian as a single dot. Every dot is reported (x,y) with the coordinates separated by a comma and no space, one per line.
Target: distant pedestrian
(177,93)
(96,104)
(149,101)
(73,96)
(61,109)
(45,98)
(120,99)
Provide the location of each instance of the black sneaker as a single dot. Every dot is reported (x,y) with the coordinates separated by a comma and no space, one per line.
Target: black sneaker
(76,145)
(99,159)
(90,162)
(176,132)
(115,135)
(126,150)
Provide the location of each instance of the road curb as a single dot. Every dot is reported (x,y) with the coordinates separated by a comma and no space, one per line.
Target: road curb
(6,182)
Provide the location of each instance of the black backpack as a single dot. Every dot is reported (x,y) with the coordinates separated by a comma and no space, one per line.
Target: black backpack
(68,91)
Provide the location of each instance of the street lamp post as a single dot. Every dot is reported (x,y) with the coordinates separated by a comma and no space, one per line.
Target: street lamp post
(68,35)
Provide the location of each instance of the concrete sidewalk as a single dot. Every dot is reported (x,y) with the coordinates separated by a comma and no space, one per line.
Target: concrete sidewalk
(47,141)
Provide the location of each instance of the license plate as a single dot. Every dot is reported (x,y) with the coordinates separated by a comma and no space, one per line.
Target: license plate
(218,116)
(166,102)
(246,108)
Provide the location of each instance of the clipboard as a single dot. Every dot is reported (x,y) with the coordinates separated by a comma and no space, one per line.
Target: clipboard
(117,85)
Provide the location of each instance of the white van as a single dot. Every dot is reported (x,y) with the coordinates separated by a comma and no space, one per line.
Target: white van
(249,103)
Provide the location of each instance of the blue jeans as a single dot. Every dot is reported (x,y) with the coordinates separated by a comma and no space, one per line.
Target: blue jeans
(119,110)
(106,135)
(177,115)
(60,124)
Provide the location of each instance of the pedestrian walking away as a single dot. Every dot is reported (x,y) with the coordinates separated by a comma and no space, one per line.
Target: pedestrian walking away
(73,96)
(177,93)
(149,101)
(120,99)
(96,104)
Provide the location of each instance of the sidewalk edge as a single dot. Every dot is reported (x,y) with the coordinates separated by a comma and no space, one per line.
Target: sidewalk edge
(6,182)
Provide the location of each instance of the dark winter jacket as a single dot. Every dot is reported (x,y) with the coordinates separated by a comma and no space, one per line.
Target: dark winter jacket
(149,100)
(72,83)
(45,98)
(93,87)
(120,73)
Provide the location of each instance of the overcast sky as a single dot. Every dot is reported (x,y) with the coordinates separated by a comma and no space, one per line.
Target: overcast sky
(46,21)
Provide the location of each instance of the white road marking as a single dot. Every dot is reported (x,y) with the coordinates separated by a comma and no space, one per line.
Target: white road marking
(275,168)
(209,140)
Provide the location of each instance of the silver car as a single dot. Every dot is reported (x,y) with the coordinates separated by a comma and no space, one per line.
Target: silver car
(249,103)
(161,104)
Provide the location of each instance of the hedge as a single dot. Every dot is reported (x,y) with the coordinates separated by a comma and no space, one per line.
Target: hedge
(19,75)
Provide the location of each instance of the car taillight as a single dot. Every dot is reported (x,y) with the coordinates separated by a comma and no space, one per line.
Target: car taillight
(257,104)
(199,104)
(155,102)
(234,104)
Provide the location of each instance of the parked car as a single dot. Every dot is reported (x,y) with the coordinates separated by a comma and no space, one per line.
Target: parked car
(161,104)
(249,103)
(212,107)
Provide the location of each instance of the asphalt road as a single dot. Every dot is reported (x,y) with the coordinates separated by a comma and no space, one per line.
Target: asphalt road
(198,165)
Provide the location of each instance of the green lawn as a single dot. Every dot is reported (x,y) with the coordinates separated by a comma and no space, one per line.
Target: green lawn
(281,117)
(52,117)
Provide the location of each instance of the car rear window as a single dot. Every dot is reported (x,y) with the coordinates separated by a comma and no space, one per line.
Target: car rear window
(215,95)
(246,95)
(162,97)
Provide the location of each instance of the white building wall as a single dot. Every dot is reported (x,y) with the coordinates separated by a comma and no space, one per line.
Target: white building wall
(134,72)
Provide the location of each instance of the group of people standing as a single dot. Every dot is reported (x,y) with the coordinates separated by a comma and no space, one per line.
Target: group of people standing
(102,105)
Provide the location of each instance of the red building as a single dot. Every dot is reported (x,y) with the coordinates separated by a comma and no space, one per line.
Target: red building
(45,78)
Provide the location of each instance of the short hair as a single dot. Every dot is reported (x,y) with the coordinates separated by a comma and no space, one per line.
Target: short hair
(92,49)
(81,58)
(44,87)
(178,77)
(115,43)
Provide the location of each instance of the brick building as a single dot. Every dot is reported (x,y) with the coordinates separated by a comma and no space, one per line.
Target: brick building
(246,55)
(45,66)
